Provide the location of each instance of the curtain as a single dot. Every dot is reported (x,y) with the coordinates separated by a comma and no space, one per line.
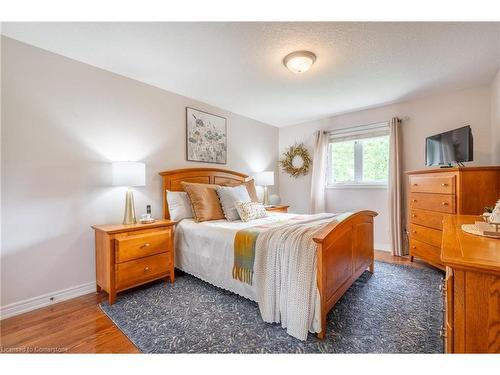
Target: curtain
(318,179)
(396,188)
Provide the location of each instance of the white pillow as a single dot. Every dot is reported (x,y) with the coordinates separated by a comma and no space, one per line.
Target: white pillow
(250,210)
(228,196)
(179,205)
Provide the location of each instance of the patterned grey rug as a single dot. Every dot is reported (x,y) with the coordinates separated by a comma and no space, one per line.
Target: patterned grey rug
(396,310)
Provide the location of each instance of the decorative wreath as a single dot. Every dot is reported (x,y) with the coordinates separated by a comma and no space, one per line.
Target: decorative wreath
(286,160)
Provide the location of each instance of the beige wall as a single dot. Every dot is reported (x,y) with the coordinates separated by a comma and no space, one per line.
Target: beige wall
(495,119)
(62,123)
(422,118)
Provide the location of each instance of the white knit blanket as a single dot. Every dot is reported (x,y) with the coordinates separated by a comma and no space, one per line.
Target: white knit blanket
(285,276)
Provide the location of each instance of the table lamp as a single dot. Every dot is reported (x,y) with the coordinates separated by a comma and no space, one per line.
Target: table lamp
(265,179)
(129,173)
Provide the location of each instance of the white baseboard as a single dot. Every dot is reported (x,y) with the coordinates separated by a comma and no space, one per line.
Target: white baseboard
(34,303)
(383,247)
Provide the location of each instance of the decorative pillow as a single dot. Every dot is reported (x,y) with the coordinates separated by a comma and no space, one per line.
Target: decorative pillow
(228,195)
(179,206)
(204,201)
(250,185)
(250,210)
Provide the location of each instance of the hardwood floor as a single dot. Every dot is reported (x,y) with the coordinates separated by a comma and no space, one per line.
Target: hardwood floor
(74,326)
(79,325)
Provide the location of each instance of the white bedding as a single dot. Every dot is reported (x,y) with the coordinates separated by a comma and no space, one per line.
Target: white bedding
(206,250)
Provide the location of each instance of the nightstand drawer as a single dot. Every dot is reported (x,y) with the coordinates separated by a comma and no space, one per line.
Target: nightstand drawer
(135,246)
(142,270)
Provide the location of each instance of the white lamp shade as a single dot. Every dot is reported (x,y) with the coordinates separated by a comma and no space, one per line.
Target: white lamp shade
(265,178)
(129,173)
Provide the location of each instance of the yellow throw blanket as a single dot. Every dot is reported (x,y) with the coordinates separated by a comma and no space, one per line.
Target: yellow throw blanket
(244,253)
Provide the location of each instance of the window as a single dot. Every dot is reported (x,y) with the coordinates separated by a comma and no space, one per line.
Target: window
(359,156)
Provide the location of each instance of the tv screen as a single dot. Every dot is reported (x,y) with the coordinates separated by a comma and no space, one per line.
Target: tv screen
(454,146)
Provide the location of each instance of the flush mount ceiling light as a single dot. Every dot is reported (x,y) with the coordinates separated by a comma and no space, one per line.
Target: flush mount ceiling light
(299,61)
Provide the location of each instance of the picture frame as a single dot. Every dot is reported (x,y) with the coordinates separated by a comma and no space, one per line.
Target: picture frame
(206,137)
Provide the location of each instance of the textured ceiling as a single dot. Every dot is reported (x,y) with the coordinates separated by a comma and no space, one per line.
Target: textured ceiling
(237,66)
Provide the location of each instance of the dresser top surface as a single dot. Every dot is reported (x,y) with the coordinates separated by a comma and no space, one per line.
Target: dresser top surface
(120,228)
(454,169)
(467,250)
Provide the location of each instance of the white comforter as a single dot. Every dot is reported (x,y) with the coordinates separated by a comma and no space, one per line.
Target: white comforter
(206,250)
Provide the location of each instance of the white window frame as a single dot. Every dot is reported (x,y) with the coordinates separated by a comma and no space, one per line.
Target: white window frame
(356,133)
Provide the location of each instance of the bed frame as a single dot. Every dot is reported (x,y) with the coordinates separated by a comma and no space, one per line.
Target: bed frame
(345,247)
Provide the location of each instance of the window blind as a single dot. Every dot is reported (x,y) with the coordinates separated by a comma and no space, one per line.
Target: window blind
(359,132)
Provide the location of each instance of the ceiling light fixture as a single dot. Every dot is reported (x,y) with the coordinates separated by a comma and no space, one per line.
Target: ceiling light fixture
(299,61)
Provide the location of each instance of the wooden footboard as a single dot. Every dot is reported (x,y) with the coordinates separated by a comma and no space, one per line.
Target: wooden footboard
(345,251)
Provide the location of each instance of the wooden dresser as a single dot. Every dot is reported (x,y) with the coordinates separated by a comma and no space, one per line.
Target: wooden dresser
(471,290)
(131,255)
(435,193)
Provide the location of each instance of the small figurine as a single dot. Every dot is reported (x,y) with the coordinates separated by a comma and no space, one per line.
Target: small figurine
(494,218)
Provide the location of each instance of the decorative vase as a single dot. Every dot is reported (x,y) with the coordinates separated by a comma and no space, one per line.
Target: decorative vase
(274,200)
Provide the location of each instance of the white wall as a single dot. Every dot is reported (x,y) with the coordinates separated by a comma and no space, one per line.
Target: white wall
(495,119)
(421,118)
(62,123)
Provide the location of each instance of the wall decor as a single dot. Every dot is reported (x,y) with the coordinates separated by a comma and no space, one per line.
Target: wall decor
(206,137)
(296,160)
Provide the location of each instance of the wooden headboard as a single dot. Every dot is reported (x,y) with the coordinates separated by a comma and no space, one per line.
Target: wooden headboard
(172,180)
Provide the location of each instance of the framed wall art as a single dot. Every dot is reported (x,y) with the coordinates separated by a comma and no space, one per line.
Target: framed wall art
(206,137)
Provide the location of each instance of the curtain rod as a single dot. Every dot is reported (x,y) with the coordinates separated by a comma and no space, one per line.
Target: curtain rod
(405,118)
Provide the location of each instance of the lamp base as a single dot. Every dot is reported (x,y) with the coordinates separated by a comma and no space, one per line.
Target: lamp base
(129,215)
(266,197)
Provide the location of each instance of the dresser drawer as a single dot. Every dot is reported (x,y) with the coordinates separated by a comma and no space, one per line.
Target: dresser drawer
(141,270)
(423,234)
(433,202)
(429,219)
(425,251)
(129,247)
(432,184)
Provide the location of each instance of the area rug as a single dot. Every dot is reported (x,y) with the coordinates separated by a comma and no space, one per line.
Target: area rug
(395,310)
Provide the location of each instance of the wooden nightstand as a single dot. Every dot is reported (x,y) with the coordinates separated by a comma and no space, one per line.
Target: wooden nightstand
(278,208)
(131,255)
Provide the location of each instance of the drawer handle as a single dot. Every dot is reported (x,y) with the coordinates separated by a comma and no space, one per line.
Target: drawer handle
(146,269)
(414,231)
(413,200)
(145,245)
(413,215)
(415,184)
(413,247)
(444,203)
(444,184)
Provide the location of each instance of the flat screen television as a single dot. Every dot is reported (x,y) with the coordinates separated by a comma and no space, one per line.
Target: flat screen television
(454,146)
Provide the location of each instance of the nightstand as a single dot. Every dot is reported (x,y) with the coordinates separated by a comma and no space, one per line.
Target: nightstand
(277,208)
(130,255)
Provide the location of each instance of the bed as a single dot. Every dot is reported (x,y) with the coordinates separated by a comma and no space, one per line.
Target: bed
(344,246)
